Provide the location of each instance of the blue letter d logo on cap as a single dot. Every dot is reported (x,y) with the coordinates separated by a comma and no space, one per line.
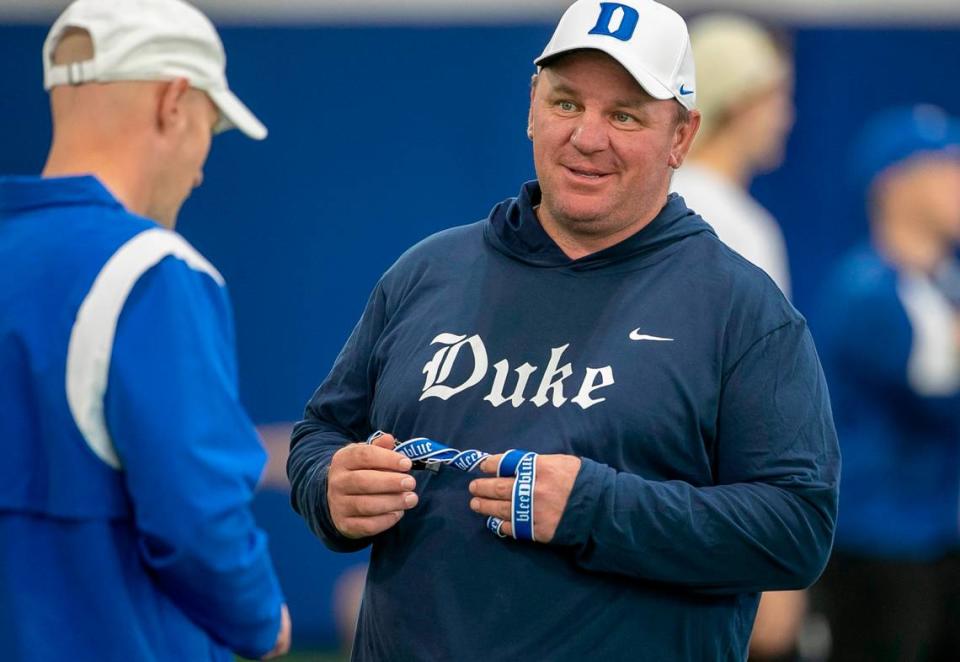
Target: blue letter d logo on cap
(614,12)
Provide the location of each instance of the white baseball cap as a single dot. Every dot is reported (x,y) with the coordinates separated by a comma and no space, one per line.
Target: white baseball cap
(148,40)
(648,39)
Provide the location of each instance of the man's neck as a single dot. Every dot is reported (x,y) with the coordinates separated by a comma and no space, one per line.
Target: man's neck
(577,245)
(119,175)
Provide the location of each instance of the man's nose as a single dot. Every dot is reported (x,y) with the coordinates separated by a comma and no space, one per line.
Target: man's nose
(590,134)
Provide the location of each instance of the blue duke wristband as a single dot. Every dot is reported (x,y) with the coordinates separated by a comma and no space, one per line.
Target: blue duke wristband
(521,519)
(514,463)
(509,463)
(522,465)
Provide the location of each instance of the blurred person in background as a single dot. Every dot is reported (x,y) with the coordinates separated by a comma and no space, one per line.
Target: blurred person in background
(683,452)
(889,333)
(745,95)
(746,98)
(129,463)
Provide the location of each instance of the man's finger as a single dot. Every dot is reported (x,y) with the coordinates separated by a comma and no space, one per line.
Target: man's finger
(489,465)
(369,456)
(385,440)
(364,527)
(493,507)
(492,488)
(505,528)
(373,505)
(369,481)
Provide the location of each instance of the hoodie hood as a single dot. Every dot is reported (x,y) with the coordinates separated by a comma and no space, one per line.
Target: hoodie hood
(514,230)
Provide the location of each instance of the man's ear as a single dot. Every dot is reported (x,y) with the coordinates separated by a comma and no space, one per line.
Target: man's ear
(683,136)
(170,105)
(533,89)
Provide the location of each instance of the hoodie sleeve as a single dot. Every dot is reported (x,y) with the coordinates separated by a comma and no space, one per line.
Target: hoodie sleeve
(767,522)
(335,416)
(191,456)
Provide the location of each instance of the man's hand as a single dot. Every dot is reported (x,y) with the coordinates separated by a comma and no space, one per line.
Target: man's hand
(368,488)
(282,647)
(555,477)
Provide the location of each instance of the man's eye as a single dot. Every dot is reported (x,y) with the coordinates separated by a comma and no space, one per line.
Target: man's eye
(566,106)
(622,118)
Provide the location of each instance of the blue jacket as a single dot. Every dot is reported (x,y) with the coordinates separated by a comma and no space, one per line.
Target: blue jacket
(891,360)
(129,463)
(710,461)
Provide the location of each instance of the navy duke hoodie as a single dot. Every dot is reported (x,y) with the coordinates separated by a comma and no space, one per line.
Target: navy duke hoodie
(673,367)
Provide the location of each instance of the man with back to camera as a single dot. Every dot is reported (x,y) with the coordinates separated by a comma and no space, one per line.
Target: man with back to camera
(889,326)
(680,455)
(129,461)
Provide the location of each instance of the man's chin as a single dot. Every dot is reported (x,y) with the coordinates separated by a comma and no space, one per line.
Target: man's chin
(581,217)
(579,207)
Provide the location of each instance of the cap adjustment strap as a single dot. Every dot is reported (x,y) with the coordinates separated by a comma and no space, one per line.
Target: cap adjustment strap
(73,73)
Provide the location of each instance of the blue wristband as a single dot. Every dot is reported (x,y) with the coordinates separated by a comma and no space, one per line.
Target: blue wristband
(433,453)
(509,462)
(521,501)
(516,463)
(495,524)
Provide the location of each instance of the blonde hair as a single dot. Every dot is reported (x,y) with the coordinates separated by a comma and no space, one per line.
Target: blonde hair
(736,57)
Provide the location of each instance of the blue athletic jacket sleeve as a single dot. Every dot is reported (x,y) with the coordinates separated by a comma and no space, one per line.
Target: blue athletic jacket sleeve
(191,456)
(335,416)
(767,523)
(866,330)
(872,333)
(899,436)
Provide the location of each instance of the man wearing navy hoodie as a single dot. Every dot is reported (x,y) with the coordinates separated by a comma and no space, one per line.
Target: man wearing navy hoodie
(683,453)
